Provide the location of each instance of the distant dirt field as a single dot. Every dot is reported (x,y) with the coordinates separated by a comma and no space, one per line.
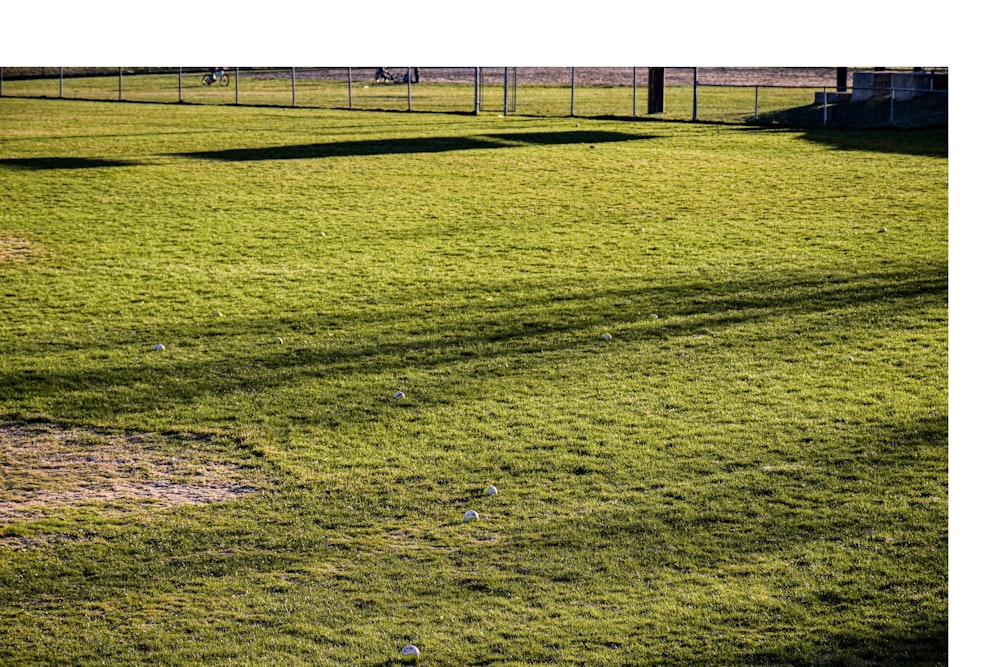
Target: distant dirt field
(599,76)
(603,76)
(622,76)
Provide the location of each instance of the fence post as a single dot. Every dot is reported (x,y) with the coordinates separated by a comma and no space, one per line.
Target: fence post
(119,84)
(756,102)
(293,86)
(634,95)
(513,91)
(694,97)
(825,107)
(350,91)
(180,71)
(237,82)
(475,90)
(60,82)
(572,91)
(506,88)
(654,90)
(409,89)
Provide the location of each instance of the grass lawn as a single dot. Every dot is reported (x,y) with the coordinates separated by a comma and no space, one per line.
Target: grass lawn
(705,366)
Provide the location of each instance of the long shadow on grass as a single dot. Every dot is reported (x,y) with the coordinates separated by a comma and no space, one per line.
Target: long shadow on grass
(401,338)
(414,145)
(811,536)
(46,163)
(928,143)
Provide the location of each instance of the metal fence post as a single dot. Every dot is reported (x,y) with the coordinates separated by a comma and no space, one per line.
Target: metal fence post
(60,82)
(350,91)
(237,82)
(825,107)
(409,89)
(506,89)
(119,84)
(293,86)
(513,92)
(475,90)
(572,91)
(634,94)
(694,97)
(180,71)
(756,102)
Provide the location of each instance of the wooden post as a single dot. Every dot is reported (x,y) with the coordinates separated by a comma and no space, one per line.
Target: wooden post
(654,96)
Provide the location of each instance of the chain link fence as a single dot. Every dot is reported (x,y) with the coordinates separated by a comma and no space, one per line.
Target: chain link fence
(719,94)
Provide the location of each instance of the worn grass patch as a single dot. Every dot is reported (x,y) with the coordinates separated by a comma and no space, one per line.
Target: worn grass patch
(16,249)
(48,468)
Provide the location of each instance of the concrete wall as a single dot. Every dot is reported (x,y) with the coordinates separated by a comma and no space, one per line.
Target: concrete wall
(869,85)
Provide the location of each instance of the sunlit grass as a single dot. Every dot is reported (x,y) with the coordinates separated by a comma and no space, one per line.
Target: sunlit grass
(752,470)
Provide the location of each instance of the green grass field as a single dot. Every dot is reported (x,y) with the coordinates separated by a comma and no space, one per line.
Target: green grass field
(752,470)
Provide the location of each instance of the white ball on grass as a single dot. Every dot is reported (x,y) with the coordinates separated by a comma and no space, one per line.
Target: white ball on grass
(471,515)
(398,395)
(491,490)
(410,653)
(159,348)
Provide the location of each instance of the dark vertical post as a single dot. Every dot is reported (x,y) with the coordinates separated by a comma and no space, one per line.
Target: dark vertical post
(694,97)
(506,90)
(475,91)
(350,90)
(841,79)
(654,96)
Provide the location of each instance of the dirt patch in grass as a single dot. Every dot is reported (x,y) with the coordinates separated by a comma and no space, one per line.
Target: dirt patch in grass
(44,467)
(14,249)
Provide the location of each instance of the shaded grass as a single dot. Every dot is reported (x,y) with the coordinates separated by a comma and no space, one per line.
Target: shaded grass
(756,475)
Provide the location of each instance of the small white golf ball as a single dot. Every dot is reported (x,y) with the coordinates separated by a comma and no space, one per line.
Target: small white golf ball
(410,653)
(398,395)
(606,336)
(491,490)
(159,347)
(471,515)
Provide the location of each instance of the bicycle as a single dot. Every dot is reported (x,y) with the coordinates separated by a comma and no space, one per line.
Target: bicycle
(211,77)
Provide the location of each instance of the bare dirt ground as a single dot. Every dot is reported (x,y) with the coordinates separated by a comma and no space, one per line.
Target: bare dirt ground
(604,76)
(622,76)
(46,467)
(14,249)
(585,76)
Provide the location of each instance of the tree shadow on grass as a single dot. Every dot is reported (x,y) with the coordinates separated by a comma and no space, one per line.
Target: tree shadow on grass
(414,145)
(926,143)
(554,318)
(46,163)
